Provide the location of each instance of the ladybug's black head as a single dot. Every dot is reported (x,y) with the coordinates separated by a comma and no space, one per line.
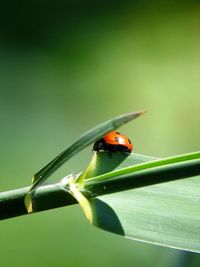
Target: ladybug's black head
(99,145)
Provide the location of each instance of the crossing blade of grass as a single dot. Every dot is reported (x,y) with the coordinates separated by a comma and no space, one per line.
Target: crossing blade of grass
(82,142)
(86,139)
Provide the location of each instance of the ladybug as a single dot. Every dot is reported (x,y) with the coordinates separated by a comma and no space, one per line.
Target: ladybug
(114,142)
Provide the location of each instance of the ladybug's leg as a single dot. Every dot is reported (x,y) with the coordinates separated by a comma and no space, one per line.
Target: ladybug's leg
(125,153)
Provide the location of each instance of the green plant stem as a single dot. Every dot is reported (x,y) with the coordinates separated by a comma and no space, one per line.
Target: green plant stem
(54,196)
(46,197)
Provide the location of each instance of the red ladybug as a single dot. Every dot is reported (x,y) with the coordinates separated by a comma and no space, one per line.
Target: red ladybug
(114,142)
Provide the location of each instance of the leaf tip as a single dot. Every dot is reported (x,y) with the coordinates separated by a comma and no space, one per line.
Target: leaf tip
(139,113)
(143,112)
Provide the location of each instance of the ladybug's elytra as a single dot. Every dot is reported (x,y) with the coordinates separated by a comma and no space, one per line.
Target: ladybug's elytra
(114,142)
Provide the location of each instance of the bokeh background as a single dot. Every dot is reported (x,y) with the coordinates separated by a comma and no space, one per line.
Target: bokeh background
(66,66)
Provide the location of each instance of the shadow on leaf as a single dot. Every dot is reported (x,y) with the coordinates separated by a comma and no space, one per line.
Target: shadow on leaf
(105,218)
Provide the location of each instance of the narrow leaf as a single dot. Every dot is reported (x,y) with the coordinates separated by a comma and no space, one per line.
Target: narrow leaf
(82,142)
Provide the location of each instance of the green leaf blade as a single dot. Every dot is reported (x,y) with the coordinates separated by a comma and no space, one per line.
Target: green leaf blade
(166,214)
(82,142)
(151,209)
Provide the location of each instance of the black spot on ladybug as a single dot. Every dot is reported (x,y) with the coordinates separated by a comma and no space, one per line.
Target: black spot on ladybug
(129,141)
(117,132)
(116,139)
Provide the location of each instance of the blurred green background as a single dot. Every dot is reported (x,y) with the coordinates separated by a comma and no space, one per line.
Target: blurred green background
(66,66)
